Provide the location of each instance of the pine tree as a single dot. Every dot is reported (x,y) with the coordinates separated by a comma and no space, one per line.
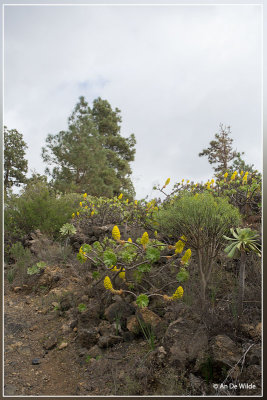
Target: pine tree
(15,165)
(91,156)
(220,151)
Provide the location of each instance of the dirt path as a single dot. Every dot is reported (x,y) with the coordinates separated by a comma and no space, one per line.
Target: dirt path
(28,326)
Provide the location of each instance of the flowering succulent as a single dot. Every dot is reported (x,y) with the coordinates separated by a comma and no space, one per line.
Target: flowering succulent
(84,195)
(129,240)
(178,293)
(167,182)
(179,246)
(78,213)
(81,204)
(73,215)
(186,257)
(144,239)
(116,233)
(225,175)
(120,196)
(108,286)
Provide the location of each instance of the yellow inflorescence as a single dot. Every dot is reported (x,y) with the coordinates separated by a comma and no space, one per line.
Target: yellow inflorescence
(78,213)
(178,293)
(183,238)
(108,286)
(120,196)
(81,204)
(167,182)
(186,257)
(116,233)
(179,246)
(73,215)
(225,175)
(130,240)
(135,202)
(92,213)
(84,195)
(145,239)
(107,283)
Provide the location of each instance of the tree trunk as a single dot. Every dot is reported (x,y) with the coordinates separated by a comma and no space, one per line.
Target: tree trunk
(241,283)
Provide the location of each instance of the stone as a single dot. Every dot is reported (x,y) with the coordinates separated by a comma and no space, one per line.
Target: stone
(253,356)
(88,337)
(105,328)
(62,345)
(184,340)
(133,325)
(149,317)
(50,343)
(36,361)
(120,311)
(10,390)
(95,351)
(109,341)
(197,384)
(225,351)
(17,289)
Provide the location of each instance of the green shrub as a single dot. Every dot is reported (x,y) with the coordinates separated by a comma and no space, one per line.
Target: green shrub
(22,258)
(37,208)
(203,219)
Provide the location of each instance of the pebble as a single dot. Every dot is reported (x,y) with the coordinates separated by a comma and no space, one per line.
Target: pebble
(35,361)
(62,345)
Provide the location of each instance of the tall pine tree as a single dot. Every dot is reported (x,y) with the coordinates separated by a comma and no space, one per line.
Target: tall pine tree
(91,156)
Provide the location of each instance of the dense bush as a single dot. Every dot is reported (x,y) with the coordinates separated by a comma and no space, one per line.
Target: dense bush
(203,219)
(37,208)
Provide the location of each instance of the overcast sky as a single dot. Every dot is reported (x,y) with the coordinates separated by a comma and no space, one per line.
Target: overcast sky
(175,73)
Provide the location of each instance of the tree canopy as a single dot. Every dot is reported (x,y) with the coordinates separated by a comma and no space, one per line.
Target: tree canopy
(220,151)
(15,165)
(91,156)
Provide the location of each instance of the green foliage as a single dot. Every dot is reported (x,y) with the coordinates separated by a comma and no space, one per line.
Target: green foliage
(15,165)
(82,307)
(148,333)
(37,208)
(144,268)
(142,301)
(183,275)
(11,275)
(243,240)
(35,269)
(153,254)
(109,258)
(91,155)
(68,230)
(202,219)
(96,274)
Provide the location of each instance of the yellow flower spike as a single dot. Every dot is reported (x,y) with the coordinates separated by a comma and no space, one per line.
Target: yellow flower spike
(108,286)
(120,196)
(196,195)
(167,182)
(179,246)
(183,238)
(78,213)
(156,233)
(182,180)
(212,181)
(73,215)
(196,184)
(187,181)
(116,233)
(135,202)
(145,239)
(127,200)
(208,186)
(86,207)
(84,195)
(107,283)
(122,274)
(186,257)
(92,213)
(130,240)
(81,204)
(225,175)
(241,173)
(178,293)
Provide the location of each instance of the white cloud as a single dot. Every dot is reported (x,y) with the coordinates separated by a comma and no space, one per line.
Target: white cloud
(175,73)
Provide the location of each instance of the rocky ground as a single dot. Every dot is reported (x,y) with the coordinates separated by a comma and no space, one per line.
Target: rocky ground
(63,338)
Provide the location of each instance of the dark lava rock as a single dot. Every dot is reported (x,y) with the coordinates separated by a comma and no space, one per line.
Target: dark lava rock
(87,337)
(119,310)
(108,341)
(36,361)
